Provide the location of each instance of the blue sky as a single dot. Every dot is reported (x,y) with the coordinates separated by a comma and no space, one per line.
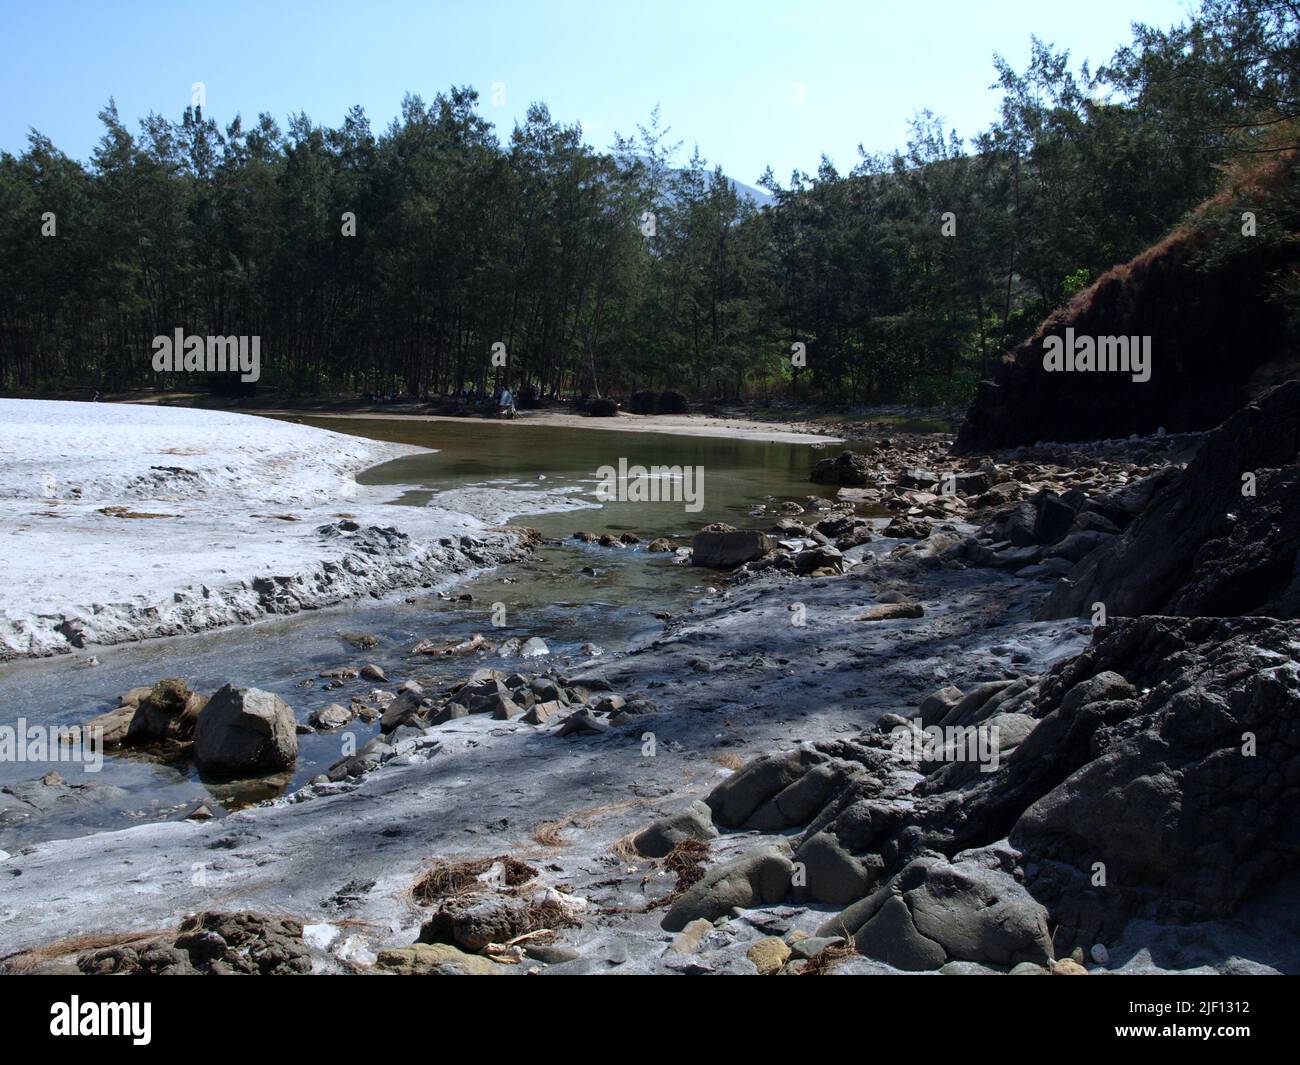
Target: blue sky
(752,83)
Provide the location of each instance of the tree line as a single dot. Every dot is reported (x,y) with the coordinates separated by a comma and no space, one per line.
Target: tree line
(393,261)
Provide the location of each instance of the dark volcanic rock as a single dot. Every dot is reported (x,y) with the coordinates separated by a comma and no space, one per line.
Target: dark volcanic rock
(1203,546)
(249,944)
(723,547)
(244,732)
(848,468)
(1165,758)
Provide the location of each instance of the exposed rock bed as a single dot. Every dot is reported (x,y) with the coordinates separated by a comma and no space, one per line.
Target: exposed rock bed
(1220,538)
(1113,797)
(1152,777)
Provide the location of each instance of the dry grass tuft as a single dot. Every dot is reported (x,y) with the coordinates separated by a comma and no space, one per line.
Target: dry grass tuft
(824,960)
(26,960)
(444,879)
(545,916)
(686,862)
(127,512)
(729,760)
(625,850)
(548,833)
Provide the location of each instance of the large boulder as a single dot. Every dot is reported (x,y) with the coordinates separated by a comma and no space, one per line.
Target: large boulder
(245,732)
(435,959)
(474,920)
(757,878)
(737,798)
(721,546)
(694,822)
(831,873)
(848,468)
(935,911)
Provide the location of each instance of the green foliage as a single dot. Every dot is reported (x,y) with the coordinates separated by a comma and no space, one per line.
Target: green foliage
(1073,284)
(906,278)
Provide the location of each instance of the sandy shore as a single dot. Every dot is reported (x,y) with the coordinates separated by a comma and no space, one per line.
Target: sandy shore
(667,424)
(123,522)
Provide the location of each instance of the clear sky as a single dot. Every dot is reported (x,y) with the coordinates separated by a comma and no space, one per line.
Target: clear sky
(765,81)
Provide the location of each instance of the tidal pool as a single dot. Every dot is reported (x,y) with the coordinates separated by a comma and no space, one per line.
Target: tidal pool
(570,594)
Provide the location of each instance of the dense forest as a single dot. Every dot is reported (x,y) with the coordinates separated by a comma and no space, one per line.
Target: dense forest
(394,261)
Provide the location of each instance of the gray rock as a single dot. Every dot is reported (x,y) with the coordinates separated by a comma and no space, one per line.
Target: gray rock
(721,546)
(736,798)
(814,945)
(550,953)
(756,878)
(408,705)
(848,468)
(832,874)
(937,705)
(976,914)
(331,717)
(582,722)
(694,822)
(449,711)
(800,802)
(1076,546)
(245,732)
(891,937)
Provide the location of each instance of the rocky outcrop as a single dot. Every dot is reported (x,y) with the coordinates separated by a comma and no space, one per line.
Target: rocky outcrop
(243,732)
(848,468)
(755,878)
(1220,538)
(695,822)
(1152,776)
(217,944)
(165,713)
(1194,311)
(935,911)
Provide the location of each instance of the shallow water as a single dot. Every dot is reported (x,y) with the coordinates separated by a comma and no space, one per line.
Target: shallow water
(570,594)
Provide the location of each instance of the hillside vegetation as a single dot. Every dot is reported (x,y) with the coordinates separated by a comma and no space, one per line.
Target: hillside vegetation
(394,260)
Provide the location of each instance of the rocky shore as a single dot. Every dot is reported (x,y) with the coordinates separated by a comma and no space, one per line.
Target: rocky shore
(898,738)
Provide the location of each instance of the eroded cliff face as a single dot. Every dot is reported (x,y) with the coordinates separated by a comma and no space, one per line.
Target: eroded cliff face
(1207,297)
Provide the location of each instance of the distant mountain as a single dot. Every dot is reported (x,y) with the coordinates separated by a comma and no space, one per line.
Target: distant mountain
(758,197)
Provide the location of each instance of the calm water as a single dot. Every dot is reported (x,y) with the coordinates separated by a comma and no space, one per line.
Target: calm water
(549,596)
